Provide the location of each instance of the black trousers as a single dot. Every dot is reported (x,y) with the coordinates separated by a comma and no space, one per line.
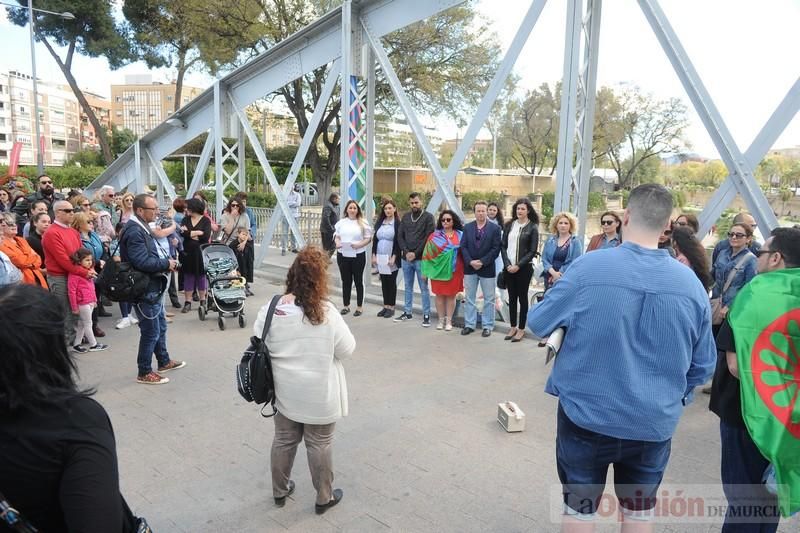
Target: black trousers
(246,259)
(517,285)
(389,288)
(352,271)
(328,244)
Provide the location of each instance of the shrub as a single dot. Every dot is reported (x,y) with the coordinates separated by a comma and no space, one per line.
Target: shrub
(596,202)
(71,177)
(469,198)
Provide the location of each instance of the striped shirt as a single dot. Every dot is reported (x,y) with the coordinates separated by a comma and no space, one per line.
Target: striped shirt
(638,341)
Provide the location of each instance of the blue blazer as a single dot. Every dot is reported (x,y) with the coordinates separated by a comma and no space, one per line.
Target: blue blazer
(575,250)
(486,251)
(137,247)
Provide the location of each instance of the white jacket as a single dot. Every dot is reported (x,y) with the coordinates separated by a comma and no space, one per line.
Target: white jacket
(310,385)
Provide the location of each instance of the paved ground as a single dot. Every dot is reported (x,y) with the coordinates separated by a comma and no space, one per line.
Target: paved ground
(420,451)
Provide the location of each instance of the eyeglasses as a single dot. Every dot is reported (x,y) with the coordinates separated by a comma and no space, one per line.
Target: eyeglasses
(149,208)
(736,235)
(681,224)
(762,252)
(66,210)
(607,222)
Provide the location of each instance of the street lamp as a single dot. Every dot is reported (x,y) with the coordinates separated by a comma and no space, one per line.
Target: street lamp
(66,15)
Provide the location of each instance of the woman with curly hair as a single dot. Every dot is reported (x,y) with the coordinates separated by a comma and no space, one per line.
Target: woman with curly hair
(561,249)
(690,252)
(520,244)
(307,340)
(443,265)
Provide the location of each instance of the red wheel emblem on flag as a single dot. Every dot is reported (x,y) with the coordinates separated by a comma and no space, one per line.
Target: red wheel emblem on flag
(775,361)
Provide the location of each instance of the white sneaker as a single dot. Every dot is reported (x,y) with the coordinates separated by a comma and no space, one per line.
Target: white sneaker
(123,323)
(133,320)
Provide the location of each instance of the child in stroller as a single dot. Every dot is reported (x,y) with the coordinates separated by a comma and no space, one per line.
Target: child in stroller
(226,293)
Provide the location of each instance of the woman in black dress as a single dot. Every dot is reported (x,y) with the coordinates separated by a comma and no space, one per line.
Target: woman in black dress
(196,230)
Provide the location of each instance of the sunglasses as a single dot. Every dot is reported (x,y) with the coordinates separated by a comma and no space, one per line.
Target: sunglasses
(86,205)
(66,210)
(234,205)
(447,220)
(607,222)
(736,235)
(762,252)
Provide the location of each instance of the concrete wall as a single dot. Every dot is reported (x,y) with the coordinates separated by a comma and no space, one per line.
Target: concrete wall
(421,179)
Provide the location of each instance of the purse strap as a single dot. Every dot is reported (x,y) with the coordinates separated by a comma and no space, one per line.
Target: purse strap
(270,313)
(733,272)
(13,518)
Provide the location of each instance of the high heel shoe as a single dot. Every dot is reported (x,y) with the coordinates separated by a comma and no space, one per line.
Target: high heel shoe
(511,333)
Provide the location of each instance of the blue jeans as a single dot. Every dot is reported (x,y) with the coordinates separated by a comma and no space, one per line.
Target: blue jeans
(582,460)
(471,282)
(409,269)
(152,336)
(751,509)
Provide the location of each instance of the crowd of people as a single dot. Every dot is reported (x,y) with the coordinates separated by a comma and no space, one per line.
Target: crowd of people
(646,314)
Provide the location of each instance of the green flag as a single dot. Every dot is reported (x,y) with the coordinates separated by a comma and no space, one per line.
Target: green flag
(765,318)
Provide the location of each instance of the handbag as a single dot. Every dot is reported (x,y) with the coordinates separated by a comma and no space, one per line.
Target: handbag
(716,303)
(501,280)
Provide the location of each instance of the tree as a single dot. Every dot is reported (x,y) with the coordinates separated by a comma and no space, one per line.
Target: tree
(639,127)
(92,33)
(446,60)
(121,140)
(177,33)
(529,131)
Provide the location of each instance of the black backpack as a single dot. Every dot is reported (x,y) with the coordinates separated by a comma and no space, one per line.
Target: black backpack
(120,282)
(254,372)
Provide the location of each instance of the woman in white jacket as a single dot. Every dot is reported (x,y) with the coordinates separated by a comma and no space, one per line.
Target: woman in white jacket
(307,340)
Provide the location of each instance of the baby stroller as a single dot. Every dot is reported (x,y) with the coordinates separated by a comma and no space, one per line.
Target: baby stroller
(226,293)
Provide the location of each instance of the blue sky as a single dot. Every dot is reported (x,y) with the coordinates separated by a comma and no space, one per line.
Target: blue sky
(745,53)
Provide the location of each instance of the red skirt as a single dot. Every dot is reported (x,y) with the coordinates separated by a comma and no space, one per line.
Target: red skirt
(452,286)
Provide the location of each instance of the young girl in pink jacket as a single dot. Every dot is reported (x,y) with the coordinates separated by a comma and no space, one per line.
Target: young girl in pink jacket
(82,299)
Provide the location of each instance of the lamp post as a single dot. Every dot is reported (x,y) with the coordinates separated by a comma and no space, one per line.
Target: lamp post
(66,15)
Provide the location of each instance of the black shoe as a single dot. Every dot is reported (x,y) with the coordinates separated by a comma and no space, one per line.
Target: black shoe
(486,332)
(467,330)
(195,297)
(389,313)
(186,307)
(176,304)
(295,250)
(280,502)
(404,317)
(345,310)
(337,497)
(707,390)
(248,292)
(382,312)
(357,313)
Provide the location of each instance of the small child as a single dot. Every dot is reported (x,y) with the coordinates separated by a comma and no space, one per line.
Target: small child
(82,300)
(243,248)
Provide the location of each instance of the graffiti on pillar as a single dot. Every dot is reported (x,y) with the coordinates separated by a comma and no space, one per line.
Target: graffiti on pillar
(357,144)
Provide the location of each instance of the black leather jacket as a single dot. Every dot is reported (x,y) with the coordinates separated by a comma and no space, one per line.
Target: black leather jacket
(527,244)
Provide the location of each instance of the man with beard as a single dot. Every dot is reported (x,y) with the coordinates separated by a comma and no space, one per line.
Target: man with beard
(415,227)
(46,193)
(330,216)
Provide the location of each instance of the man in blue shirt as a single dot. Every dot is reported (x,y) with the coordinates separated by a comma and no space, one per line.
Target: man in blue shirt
(638,341)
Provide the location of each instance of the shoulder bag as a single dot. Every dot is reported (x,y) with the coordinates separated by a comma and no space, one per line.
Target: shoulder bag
(716,303)
(254,372)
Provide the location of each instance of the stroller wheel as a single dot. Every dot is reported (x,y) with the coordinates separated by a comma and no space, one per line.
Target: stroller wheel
(221,323)
(242,320)
(201,312)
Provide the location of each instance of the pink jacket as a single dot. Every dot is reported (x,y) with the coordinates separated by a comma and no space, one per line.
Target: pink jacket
(80,291)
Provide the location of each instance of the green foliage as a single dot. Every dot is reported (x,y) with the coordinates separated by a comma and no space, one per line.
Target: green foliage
(68,177)
(596,202)
(86,158)
(469,198)
(678,199)
(548,201)
(528,133)
(254,199)
(121,140)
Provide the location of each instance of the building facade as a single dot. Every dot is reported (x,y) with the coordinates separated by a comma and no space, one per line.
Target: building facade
(59,120)
(102,110)
(141,104)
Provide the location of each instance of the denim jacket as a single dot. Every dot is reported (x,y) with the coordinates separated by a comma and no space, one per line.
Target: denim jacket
(724,265)
(575,250)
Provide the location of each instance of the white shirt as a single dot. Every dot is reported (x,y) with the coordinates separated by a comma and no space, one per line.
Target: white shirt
(310,385)
(349,230)
(513,238)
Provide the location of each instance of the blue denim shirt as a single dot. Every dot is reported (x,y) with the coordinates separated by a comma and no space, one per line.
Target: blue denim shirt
(575,250)
(724,264)
(638,340)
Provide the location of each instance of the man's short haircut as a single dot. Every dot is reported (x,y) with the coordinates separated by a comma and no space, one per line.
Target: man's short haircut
(739,218)
(40,176)
(479,202)
(61,204)
(33,205)
(414,194)
(650,206)
(241,195)
(140,201)
(787,242)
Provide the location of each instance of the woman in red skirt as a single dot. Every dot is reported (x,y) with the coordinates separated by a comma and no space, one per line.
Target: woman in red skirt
(442,264)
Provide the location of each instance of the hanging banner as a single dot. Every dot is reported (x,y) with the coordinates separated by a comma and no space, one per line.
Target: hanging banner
(13,160)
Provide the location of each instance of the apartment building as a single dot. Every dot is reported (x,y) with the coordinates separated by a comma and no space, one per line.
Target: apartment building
(58,120)
(141,104)
(102,110)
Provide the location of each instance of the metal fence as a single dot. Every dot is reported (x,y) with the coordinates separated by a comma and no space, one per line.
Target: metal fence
(308,222)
